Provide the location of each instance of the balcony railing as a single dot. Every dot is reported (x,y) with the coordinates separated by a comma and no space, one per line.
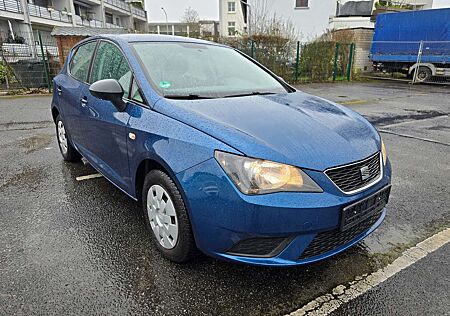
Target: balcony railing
(113,26)
(90,23)
(11,6)
(119,4)
(138,11)
(43,12)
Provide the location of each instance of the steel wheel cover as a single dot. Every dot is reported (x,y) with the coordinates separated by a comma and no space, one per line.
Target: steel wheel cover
(62,138)
(162,216)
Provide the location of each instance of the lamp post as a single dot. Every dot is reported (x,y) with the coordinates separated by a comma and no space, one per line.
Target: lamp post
(249,15)
(167,22)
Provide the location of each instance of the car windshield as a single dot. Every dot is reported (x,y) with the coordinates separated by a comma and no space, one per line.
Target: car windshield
(195,71)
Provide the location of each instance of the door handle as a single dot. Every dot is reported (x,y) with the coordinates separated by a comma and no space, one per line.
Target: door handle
(83,101)
(59,90)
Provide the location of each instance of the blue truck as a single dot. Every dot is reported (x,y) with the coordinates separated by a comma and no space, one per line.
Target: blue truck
(399,37)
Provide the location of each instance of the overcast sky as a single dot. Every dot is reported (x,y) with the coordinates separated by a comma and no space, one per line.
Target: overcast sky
(208,9)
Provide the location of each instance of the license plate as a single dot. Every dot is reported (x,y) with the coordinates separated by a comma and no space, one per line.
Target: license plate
(363,209)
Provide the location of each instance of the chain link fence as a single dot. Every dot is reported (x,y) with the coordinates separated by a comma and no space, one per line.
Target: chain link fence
(28,60)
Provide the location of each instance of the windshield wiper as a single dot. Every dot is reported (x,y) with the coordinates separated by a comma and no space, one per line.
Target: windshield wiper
(186,97)
(248,94)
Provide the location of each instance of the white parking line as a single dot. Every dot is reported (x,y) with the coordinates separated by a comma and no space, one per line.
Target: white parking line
(91,176)
(413,137)
(325,304)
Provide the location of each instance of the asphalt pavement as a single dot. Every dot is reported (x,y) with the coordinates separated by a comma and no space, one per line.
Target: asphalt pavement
(81,247)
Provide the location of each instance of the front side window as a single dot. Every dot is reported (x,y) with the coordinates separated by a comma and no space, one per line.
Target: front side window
(186,69)
(79,64)
(231,6)
(301,3)
(109,63)
(231,28)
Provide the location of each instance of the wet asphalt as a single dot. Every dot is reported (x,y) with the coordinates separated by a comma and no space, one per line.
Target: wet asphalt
(421,289)
(81,247)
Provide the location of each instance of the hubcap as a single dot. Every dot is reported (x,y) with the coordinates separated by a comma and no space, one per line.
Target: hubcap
(162,216)
(62,139)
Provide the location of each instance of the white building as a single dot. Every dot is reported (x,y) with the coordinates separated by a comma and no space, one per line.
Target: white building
(25,17)
(310,17)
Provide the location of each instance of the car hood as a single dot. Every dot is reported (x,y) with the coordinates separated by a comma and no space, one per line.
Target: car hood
(293,128)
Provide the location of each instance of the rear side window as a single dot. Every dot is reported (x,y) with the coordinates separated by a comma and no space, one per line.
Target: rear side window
(109,63)
(79,65)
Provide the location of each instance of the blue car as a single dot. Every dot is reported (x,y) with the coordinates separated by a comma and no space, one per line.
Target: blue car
(225,157)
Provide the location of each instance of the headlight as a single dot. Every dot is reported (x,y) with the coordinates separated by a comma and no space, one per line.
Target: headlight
(383,153)
(257,176)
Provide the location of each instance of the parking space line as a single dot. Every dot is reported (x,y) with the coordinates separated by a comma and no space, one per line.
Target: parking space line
(413,137)
(415,121)
(326,304)
(90,176)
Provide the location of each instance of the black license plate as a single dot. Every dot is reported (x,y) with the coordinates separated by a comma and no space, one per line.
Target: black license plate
(365,208)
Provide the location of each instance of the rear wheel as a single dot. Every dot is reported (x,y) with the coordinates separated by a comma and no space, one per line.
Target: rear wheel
(423,74)
(68,152)
(167,217)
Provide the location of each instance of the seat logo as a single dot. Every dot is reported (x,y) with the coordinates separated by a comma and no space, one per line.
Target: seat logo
(365,173)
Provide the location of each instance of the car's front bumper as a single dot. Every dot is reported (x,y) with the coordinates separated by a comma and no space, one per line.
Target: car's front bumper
(222,217)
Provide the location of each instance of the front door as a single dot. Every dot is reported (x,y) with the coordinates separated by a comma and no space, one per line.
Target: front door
(105,130)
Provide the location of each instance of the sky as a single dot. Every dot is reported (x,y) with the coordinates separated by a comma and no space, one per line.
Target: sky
(207,9)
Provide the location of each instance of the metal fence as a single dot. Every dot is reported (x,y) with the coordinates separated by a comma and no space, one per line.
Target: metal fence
(27,60)
(299,62)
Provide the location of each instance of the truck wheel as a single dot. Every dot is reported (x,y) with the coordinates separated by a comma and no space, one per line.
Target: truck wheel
(423,74)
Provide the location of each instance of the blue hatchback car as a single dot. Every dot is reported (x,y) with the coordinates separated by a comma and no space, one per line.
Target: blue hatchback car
(224,156)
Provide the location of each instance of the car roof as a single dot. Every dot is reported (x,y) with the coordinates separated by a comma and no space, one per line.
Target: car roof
(153,38)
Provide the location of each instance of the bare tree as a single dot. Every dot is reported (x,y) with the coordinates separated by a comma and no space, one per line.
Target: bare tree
(190,16)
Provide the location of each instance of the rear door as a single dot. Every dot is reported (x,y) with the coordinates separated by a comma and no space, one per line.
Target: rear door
(70,86)
(105,130)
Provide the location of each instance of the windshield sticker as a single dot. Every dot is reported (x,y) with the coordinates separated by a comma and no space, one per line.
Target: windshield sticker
(165,84)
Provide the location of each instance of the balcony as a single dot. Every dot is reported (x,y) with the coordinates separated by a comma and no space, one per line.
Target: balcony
(138,12)
(113,26)
(47,13)
(11,6)
(90,23)
(119,4)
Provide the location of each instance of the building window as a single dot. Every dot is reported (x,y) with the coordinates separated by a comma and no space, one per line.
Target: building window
(231,6)
(109,18)
(302,3)
(231,28)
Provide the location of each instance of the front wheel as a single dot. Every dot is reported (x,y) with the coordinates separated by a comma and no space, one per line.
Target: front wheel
(68,152)
(423,74)
(167,217)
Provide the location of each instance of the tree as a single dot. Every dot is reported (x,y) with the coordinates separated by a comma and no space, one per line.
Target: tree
(190,16)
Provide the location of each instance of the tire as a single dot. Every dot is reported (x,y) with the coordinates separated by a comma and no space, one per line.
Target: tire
(68,152)
(423,74)
(167,217)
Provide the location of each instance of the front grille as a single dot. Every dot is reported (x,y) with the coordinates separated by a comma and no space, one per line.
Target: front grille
(259,247)
(330,240)
(349,178)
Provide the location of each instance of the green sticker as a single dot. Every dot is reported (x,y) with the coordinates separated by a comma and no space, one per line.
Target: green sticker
(165,84)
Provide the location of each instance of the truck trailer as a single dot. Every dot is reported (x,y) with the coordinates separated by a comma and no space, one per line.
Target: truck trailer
(413,41)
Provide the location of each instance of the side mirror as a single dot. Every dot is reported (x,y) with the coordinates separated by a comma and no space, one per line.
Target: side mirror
(110,90)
